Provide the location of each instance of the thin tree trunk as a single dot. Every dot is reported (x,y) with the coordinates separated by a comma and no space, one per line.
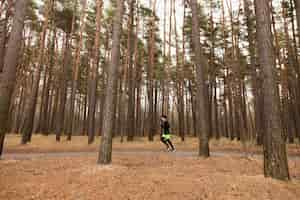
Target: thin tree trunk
(45,111)
(150,76)
(165,60)
(105,151)
(60,113)
(70,127)
(54,101)
(251,40)
(93,85)
(103,82)
(193,105)
(31,104)
(297,6)
(179,87)
(3,33)
(216,113)
(137,77)
(131,91)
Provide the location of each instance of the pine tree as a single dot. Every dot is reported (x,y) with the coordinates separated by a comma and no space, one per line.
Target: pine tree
(275,159)
(105,151)
(8,76)
(202,90)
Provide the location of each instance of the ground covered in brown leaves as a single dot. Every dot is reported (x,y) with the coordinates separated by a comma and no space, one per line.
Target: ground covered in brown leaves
(139,176)
(135,177)
(45,144)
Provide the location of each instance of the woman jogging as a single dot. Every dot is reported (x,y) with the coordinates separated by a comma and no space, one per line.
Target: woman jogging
(165,133)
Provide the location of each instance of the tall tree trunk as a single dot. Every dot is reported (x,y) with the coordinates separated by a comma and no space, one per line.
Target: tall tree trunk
(139,56)
(214,100)
(18,114)
(131,91)
(254,81)
(71,126)
(193,107)
(93,85)
(54,106)
(225,82)
(8,80)
(115,103)
(275,158)
(296,101)
(216,113)
(105,151)
(103,82)
(3,33)
(179,84)
(202,90)
(45,114)
(60,113)
(291,63)
(137,77)
(150,75)
(122,103)
(31,104)
(163,82)
(297,6)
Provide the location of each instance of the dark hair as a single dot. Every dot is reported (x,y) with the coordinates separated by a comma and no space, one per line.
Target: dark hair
(164,116)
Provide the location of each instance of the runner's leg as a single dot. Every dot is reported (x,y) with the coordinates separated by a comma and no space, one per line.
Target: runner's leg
(170,143)
(165,142)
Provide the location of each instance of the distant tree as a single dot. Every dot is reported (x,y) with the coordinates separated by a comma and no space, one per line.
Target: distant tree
(93,74)
(31,103)
(131,91)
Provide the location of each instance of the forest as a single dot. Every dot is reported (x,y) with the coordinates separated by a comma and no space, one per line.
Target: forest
(90,79)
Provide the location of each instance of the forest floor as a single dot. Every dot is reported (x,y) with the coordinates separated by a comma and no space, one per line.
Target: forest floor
(46,144)
(139,171)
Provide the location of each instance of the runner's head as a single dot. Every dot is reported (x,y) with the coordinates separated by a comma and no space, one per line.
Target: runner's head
(164,118)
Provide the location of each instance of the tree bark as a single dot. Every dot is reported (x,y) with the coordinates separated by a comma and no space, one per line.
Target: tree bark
(71,127)
(137,77)
(131,91)
(150,75)
(45,114)
(105,151)
(297,6)
(8,80)
(179,84)
(31,104)
(254,81)
(275,158)
(202,90)
(60,113)
(3,33)
(93,85)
